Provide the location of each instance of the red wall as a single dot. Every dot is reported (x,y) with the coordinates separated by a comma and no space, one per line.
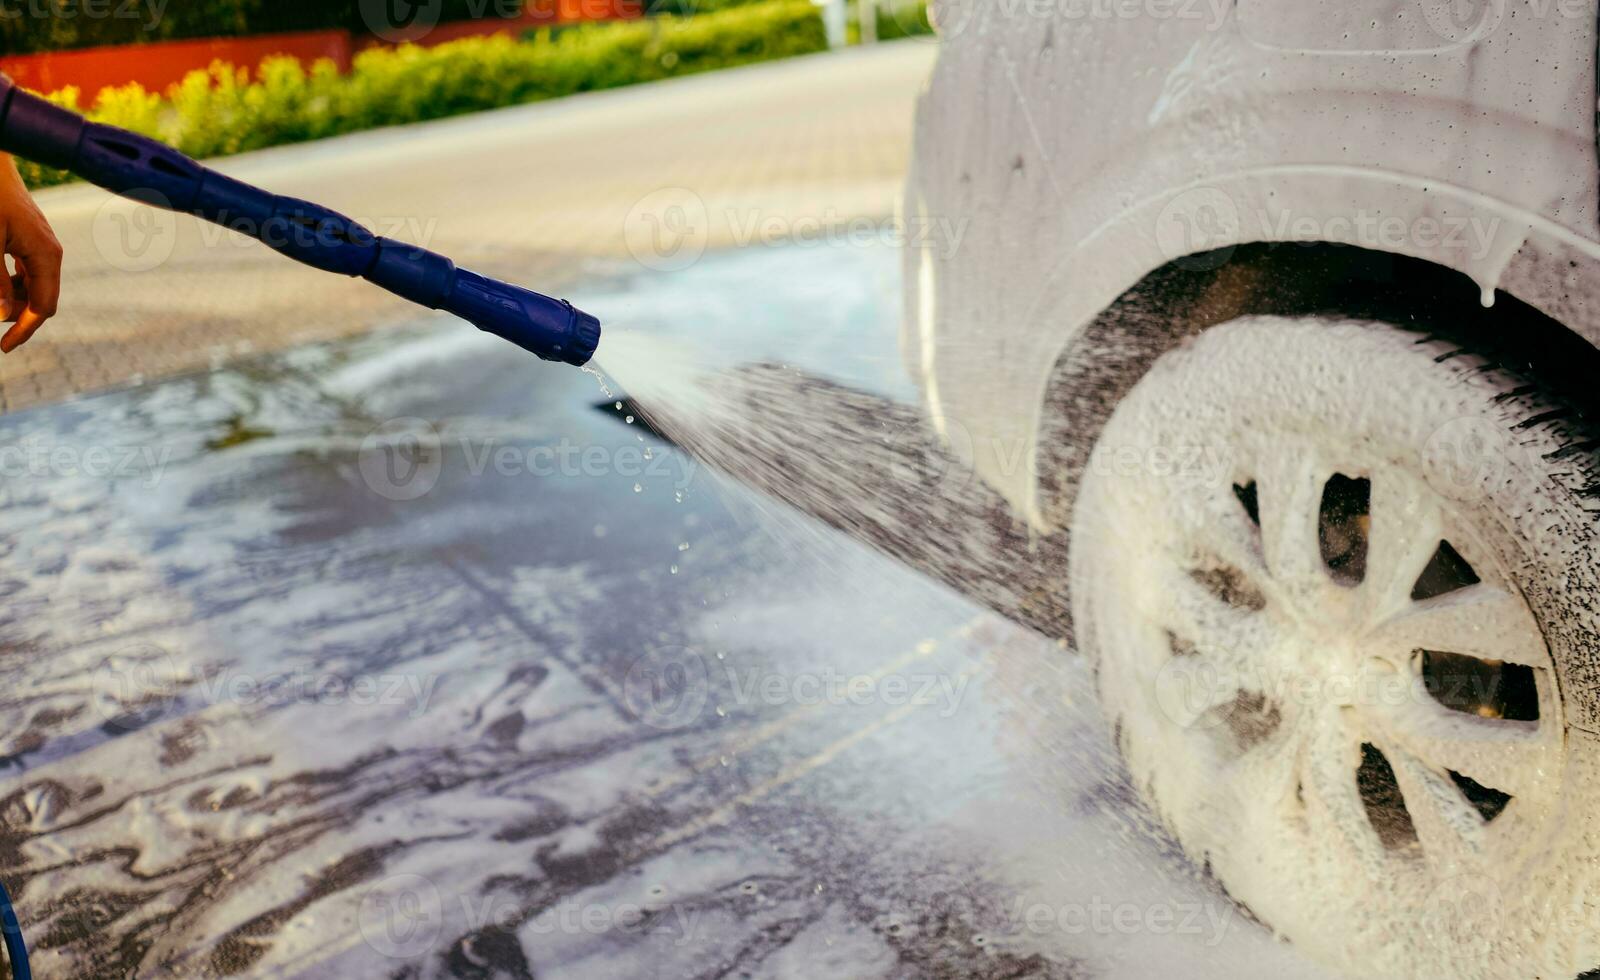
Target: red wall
(156,66)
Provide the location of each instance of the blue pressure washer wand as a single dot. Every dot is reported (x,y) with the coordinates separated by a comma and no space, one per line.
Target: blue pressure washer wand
(146,170)
(11,933)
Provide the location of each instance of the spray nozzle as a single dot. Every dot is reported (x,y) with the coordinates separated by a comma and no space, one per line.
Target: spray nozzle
(551,328)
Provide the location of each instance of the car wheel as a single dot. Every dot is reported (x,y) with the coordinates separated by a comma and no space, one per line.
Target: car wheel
(1336,584)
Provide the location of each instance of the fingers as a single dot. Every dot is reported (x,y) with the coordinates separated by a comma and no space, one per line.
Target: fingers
(9,310)
(39,262)
(26,326)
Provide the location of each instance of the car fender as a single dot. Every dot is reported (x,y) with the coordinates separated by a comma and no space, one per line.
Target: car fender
(1078,153)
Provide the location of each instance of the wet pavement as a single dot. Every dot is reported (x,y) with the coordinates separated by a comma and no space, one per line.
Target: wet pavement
(401,657)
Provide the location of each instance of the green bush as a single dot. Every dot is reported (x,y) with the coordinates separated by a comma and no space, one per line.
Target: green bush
(220,111)
(688,8)
(55,25)
(896,19)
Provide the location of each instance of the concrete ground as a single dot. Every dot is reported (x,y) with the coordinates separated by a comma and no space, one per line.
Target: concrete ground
(647,175)
(395,657)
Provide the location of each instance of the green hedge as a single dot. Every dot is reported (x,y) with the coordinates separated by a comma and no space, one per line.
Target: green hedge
(28,26)
(688,8)
(903,18)
(896,19)
(218,112)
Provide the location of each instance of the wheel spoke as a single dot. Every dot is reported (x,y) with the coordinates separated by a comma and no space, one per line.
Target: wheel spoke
(1230,638)
(1233,540)
(1508,756)
(1405,531)
(1333,798)
(1449,828)
(1290,495)
(1482,621)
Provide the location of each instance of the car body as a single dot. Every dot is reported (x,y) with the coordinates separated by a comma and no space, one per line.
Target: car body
(1100,141)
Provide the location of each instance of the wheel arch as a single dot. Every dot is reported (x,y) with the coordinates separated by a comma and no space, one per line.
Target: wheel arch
(1176,303)
(1178,300)
(992,410)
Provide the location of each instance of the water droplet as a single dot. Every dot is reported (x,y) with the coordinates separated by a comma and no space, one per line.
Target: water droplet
(600,379)
(683,546)
(638,488)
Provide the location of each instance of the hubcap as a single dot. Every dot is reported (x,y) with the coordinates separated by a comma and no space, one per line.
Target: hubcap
(1319,664)
(1407,703)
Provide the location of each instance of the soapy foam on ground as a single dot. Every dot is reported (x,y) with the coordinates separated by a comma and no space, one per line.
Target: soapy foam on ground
(286,820)
(871,466)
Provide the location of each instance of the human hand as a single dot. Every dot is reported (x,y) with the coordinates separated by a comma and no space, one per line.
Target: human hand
(28,298)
